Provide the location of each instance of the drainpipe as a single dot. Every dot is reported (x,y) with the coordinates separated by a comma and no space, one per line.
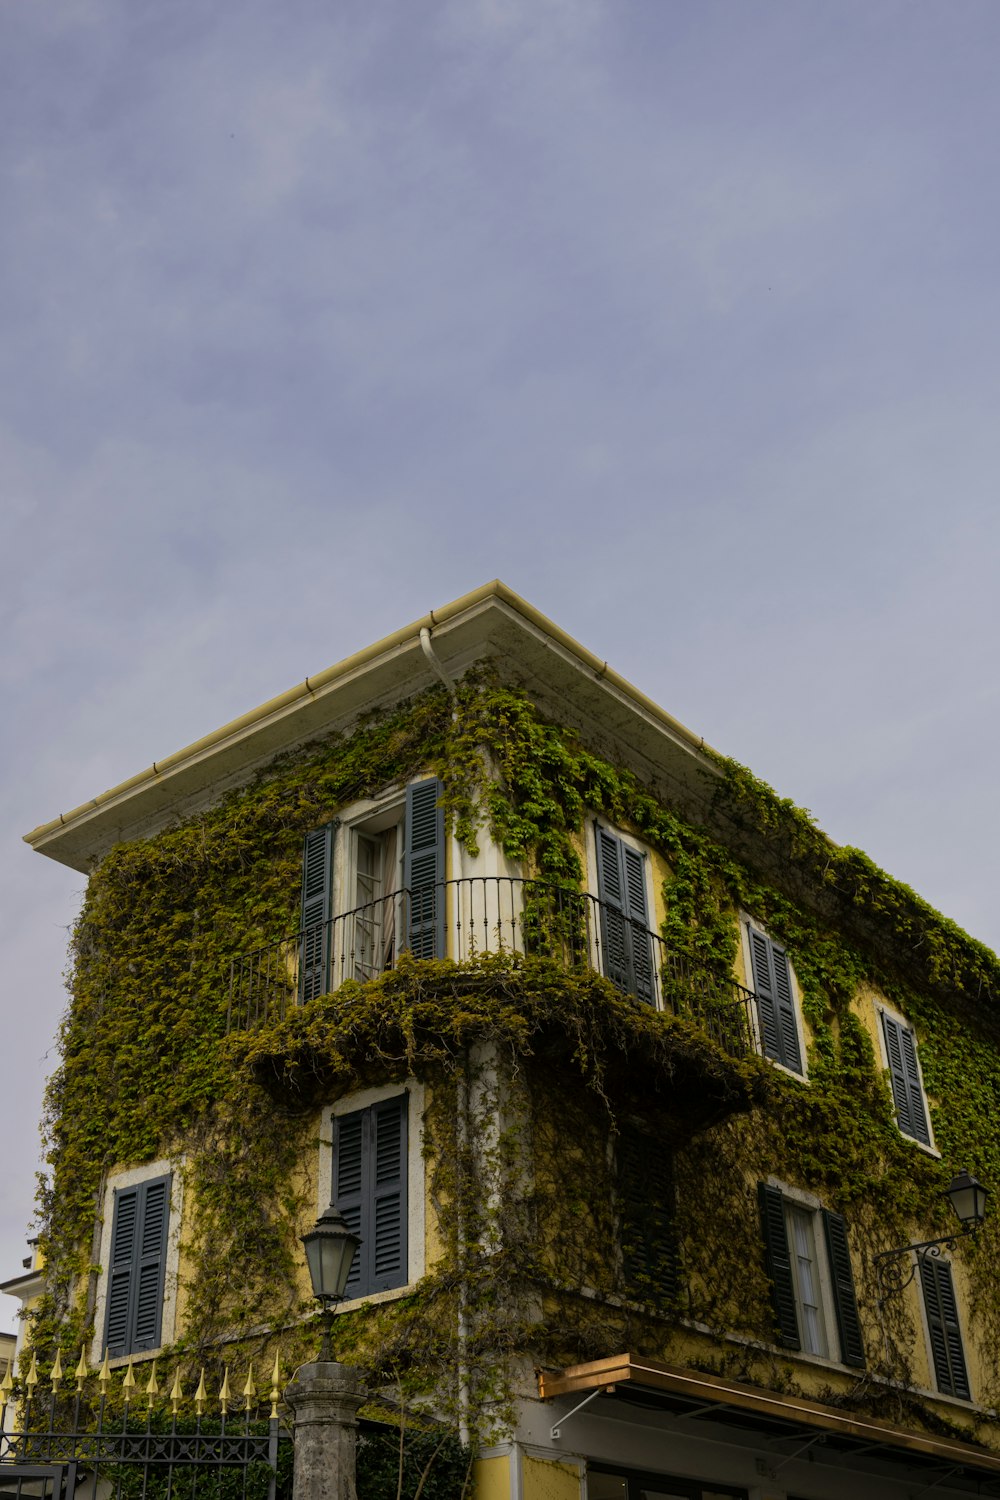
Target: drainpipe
(437,666)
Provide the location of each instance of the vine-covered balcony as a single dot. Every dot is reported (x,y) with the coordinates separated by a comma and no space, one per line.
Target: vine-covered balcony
(466,919)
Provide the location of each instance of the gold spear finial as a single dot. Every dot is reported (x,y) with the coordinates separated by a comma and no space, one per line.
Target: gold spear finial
(250,1390)
(128,1381)
(7,1383)
(275,1385)
(152,1389)
(81,1371)
(57,1372)
(104,1375)
(176,1394)
(225,1394)
(31,1379)
(201,1394)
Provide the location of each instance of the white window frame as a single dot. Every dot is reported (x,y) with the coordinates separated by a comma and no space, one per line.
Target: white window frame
(415,1204)
(812,1205)
(594,886)
(881,1009)
(128,1177)
(747,921)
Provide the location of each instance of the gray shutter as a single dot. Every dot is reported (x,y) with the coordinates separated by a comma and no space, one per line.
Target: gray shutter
(423,869)
(369,1188)
(388,1194)
(611,895)
(638,914)
(943,1327)
(348,1191)
(779,1263)
(138,1267)
(317,885)
(852,1348)
(772,983)
(908,1096)
(646,1200)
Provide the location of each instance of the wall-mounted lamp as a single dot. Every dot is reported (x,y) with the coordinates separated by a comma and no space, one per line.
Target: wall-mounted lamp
(330,1249)
(968,1199)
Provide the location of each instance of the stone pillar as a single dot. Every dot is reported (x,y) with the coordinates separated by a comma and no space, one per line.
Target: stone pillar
(324,1399)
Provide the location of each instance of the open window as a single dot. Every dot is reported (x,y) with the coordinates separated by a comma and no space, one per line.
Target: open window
(808,1261)
(373,886)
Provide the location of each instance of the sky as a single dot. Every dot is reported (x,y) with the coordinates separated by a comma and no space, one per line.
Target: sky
(681,318)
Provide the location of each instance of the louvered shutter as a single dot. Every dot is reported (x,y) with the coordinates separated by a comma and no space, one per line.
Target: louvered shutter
(638,917)
(779,1263)
(423,869)
(317,885)
(852,1348)
(772,982)
(646,1200)
(943,1327)
(611,895)
(348,1190)
(370,1172)
(904,1074)
(388,1194)
(138,1267)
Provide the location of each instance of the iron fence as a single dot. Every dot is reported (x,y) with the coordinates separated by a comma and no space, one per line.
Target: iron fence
(487,915)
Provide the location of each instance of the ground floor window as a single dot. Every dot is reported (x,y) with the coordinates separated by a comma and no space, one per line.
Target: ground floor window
(632,1484)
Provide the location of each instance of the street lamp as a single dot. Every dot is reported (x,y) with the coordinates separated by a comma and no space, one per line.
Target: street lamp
(330,1249)
(968,1198)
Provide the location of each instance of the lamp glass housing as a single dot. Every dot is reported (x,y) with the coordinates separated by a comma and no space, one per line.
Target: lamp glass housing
(968,1198)
(330,1249)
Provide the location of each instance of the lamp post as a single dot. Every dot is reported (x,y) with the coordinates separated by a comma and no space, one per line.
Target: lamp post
(325,1396)
(968,1199)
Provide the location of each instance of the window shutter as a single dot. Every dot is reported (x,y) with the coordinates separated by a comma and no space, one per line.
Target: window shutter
(904,1073)
(779,1263)
(646,1196)
(638,913)
(943,1327)
(772,982)
(138,1267)
(317,884)
(370,1172)
(611,895)
(852,1348)
(423,869)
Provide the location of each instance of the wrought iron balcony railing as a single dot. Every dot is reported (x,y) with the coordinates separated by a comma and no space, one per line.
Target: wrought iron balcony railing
(465,919)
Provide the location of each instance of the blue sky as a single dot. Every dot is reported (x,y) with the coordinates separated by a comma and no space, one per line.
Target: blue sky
(682,318)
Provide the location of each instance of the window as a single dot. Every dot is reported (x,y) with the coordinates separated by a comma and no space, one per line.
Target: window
(904,1074)
(774,988)
(646,1215)
(371,889)
(370,1172)
(812,1285)
(626,956)
(943,1328)
(631,1484)
(136,1262)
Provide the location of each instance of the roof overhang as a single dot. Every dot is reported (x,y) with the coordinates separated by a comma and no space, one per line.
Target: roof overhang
(529,650)
(708,1398)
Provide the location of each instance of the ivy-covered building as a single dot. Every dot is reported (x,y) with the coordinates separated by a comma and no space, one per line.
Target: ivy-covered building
(625,1074)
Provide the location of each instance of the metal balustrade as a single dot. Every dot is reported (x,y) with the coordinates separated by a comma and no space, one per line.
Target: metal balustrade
(490,914)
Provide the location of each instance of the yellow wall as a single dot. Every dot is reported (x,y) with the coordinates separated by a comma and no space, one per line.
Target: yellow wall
(546,1480)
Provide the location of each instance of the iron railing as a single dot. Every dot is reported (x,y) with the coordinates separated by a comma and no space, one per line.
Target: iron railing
(465,919)
(128,1445)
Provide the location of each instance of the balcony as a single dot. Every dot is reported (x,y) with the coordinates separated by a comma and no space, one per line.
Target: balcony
(466,919)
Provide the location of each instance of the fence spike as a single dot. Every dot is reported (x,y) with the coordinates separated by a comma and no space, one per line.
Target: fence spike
(275,1385)
(250,1390)
(176,1394)
(31,1379)
(201,1394)
(152,1389)
(225,1394)
(104,1375)
(81,1371)
(56,1376)
(7,1383)
(128,1381)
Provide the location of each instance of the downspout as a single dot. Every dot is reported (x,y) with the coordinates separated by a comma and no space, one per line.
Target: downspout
(461,1139)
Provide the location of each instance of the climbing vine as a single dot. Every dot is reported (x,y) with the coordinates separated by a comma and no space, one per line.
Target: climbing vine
(147,1071)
